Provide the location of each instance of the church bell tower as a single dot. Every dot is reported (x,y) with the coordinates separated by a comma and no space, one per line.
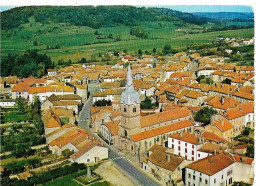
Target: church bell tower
(130,110)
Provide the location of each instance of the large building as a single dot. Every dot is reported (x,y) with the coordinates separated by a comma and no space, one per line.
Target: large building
(136,133)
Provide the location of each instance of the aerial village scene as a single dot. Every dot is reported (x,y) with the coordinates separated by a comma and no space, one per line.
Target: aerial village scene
(127,95)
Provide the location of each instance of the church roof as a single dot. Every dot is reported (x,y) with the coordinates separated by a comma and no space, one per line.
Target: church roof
(129,96)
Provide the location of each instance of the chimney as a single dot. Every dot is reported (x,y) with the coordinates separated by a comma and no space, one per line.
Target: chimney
(222,100)
(210,160)
(181,134)
(215,151)
(168,157)
(222,122)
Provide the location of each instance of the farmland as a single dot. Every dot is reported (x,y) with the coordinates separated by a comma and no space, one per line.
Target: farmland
(63,41)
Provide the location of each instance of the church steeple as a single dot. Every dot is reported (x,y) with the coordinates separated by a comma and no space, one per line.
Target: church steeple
(129,96)
(129,81)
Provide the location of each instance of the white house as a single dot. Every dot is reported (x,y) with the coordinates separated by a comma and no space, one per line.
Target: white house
(184,145)
(7,103)
(213,170)
(90,154)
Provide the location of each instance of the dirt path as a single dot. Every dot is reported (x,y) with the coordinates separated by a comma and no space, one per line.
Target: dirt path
(110,173)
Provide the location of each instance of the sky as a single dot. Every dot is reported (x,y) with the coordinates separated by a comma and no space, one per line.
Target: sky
(195,8)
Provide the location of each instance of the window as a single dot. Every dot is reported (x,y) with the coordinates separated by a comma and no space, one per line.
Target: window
(194,177)
(185,150)
(222,177)
(179,148)
(186,144)
(198,155)
(173,146)
(185,157)
(230,180)
(200,179)
(215,180)
(189,176)
(134,109)
(179,154)
(206,181)
(125,133)
(124,109)
(192,158)
(193,146)
(179,142)
(192,152)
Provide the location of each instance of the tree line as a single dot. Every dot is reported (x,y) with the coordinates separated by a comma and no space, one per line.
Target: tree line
(30,63)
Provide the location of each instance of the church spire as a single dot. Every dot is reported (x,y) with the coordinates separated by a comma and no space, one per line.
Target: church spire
(129,81)
(129,96)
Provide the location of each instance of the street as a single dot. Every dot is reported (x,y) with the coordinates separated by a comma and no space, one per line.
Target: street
(124,164)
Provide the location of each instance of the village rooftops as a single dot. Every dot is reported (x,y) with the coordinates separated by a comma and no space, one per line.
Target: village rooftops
(186,137)
(223,124)
(161,159)
(165,116)
(210,148)
(212,164)
(21,87)
(213,137)
(113,127)
(45,89)
(161,130)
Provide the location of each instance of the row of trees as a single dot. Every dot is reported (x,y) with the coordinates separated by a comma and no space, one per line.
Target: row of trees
(30,63)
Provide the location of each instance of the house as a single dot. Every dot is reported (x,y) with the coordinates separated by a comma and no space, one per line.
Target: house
(164,166)
(46,91)
(217,169)
(51,122)
(91,152)
(7,103)
(109,130)
(21,89)
(208,149)
(52,72)
(185,145)
(221,127)
(241,116)
(244,169)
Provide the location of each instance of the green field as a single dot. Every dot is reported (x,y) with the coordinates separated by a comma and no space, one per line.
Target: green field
(76,42)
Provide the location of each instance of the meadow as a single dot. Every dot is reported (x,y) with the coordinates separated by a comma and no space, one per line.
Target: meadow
(64,41)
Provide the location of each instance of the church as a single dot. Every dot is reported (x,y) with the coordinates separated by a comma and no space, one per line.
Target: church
(136,133)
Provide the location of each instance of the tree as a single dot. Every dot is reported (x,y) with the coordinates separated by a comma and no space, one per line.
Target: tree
(110,36)
(204,115)
(226,81)
(125,51)
(83,60)
(66,153)
(21,104)
(154,50)
(22,150)
(140,53)
(147,103)
(167,49)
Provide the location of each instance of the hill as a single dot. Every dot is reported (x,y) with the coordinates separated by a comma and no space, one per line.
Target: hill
(58,32)
(226,15)
(94,17)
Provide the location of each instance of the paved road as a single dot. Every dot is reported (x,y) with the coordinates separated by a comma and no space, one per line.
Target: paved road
(124,164)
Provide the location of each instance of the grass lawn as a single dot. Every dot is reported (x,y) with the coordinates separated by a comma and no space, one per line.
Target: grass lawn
(13,117)
(66,180)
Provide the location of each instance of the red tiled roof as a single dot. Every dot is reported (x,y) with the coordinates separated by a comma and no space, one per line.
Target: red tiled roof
(187,137)
(165,116)
(212,164)
(161,130)
(223,125)
(21,87)
(213,137)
